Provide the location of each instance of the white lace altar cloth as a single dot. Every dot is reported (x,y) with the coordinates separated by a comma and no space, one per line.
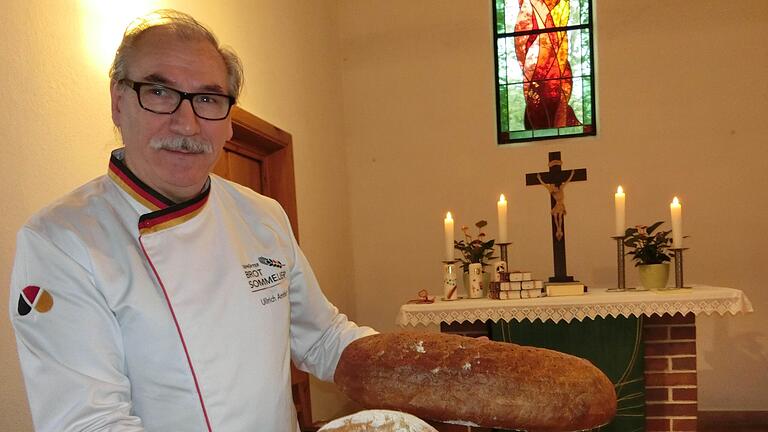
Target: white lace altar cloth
(598,302)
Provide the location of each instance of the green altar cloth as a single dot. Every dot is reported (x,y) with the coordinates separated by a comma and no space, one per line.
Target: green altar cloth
(614,345)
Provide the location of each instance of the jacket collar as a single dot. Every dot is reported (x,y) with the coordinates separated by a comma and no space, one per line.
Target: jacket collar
(163,212)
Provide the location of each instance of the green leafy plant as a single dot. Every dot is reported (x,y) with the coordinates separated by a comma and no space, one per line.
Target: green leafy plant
(648,247)
(475,249)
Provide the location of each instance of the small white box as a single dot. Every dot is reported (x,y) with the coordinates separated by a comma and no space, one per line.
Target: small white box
(530,293)
(564,289)
(520,276)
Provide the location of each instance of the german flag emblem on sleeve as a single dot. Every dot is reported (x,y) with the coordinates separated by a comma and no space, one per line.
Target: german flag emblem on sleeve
(32,297)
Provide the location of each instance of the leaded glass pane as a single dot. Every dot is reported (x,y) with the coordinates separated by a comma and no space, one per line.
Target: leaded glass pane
(522,135)
(544,58)
(514,99)
(574,40)
(577,98)
(543,133)
(588,101)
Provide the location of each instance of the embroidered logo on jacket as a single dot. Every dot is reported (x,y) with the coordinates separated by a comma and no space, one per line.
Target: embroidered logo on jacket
(268,275)
(33,297)
(271,262)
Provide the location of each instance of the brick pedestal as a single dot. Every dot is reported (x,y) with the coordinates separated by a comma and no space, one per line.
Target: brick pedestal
(670,373)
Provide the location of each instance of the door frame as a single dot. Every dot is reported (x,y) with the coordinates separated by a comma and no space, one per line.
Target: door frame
(273,147)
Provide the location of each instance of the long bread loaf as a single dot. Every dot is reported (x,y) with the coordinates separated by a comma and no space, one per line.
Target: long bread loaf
(491,384)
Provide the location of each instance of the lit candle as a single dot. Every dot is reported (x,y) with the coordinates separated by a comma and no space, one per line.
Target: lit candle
(618,201)
(448,222)
(501,207)
(677,223)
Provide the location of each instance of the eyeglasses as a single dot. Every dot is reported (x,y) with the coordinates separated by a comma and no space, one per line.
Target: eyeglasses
(160,99)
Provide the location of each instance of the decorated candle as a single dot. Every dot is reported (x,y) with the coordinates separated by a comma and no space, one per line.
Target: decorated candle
(618,204)
(676,211)
(501,207)
(448,225)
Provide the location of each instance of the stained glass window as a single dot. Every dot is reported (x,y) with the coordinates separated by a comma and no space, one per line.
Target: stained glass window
(544,75)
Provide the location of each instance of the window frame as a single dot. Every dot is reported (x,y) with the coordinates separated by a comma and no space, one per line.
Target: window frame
(503,137)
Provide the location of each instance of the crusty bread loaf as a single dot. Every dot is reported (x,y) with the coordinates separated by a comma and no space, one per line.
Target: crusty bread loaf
(492,384)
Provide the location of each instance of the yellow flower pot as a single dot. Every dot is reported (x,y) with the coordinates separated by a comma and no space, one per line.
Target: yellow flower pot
(654,276)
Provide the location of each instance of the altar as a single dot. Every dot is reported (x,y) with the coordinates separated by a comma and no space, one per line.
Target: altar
(655,329)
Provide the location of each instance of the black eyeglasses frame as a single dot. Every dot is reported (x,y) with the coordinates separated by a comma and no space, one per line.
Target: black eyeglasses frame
(137,85)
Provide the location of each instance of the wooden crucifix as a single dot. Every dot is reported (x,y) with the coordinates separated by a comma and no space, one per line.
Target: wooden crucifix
(555,181)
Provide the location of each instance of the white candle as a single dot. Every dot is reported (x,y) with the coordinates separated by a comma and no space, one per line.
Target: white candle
(618,203)
(448,225)
(677,223)
(501,208)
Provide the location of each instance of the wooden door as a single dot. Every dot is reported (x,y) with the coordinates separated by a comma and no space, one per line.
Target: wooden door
(260,156)
(240,168)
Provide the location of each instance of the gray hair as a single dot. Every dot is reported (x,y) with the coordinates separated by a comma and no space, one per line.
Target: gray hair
(180,25)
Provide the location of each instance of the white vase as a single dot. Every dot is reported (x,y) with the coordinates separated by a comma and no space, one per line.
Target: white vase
(450,287)
(475,288)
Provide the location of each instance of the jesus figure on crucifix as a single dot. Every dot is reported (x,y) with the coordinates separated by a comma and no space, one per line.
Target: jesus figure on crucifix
(558,210)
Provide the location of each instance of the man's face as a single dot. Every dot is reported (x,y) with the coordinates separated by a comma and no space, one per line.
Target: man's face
(190,66)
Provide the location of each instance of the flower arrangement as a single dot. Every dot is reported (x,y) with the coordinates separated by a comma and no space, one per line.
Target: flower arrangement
(474,250)
(647,247)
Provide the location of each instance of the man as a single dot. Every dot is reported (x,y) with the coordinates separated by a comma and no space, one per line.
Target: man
(157,297)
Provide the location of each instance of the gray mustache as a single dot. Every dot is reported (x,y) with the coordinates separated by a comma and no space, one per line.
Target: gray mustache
(182,143)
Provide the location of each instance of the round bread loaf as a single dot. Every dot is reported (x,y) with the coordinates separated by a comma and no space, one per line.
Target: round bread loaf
(458,379)
(378,421)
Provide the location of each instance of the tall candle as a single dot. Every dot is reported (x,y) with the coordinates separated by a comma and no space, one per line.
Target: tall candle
(677,223)
(501,208)
(448,225)
(618,204)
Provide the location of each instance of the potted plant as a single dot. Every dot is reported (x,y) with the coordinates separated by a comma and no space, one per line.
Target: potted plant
(649,250)
(475,254)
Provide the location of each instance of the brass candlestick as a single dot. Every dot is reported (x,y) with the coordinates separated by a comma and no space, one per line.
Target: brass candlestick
(621,273)
(503,253)
(679,267)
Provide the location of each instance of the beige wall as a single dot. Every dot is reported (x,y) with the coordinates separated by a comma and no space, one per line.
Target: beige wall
(682,104)
(398,127)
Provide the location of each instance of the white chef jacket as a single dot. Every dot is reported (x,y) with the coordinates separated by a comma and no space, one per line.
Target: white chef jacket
(133,313)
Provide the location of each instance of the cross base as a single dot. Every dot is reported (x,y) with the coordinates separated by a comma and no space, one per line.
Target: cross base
(565,278)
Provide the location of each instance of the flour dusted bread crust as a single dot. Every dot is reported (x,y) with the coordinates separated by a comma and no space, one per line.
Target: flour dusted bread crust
(492,384)
(378,421)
